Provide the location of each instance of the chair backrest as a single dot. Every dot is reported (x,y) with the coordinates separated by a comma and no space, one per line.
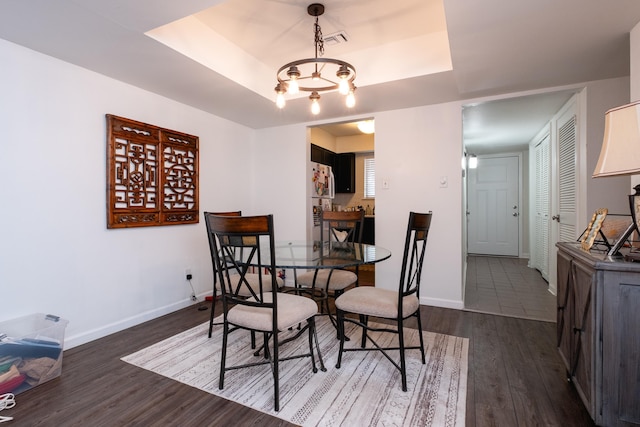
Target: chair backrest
(413,258)
(342,226)
(210,236)
(241,244)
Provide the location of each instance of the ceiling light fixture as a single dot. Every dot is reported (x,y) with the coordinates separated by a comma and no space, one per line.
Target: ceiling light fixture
(366,126)
(306,74)
(473,161)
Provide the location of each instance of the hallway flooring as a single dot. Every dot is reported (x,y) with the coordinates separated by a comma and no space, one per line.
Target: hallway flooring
(506,286)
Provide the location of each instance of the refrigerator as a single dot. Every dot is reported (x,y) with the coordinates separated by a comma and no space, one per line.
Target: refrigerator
(322,194)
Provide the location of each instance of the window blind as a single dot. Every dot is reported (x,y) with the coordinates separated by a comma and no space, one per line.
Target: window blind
(370,177)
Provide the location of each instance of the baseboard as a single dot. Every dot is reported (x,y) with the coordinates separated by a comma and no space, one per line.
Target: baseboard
(94,334)
(443,303)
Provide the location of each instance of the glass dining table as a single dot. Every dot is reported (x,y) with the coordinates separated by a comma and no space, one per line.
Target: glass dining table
(311,255)
(316,255)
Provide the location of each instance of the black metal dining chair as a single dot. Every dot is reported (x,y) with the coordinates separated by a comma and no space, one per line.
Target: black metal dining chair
(336,228)
(251,277)
(266,311)
(394,305)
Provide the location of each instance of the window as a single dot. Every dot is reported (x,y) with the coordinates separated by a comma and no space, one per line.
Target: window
(370,177)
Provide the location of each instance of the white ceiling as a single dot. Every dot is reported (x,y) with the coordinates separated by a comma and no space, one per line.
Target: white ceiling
(406,54)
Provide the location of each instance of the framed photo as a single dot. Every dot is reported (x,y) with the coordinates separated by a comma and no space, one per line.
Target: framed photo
(592,230)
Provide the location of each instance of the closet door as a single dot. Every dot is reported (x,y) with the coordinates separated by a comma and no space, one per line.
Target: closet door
(564,183)
(567,195)
(541,226)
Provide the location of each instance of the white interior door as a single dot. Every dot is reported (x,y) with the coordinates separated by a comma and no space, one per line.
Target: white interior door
(493,206)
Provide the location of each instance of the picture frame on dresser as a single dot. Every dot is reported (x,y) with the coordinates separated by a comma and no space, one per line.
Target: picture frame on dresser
(589,236)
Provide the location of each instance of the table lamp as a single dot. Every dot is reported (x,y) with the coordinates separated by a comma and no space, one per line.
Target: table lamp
(620,155)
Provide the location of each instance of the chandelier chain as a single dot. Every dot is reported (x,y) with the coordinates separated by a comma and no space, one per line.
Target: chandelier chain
(318,39)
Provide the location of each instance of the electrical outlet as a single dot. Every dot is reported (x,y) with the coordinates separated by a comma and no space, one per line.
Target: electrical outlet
(193,297)
(187,273)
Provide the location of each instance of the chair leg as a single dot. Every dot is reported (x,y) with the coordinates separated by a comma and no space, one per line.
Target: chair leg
(365,321)
(312,333)
(276,373)
(223,358)
(340,320)
(403,365)
(265,344)
(421,339)
(213,307)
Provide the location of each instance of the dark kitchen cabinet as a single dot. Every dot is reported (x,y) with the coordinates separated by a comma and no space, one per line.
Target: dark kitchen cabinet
(369,230)
(345,173)
(322,155)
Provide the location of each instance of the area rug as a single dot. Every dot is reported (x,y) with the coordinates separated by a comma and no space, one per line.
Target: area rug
(365,391)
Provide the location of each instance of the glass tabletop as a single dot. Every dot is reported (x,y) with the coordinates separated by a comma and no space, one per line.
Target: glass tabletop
(313,255)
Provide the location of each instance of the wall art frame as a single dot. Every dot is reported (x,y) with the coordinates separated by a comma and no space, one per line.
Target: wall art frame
(152,175)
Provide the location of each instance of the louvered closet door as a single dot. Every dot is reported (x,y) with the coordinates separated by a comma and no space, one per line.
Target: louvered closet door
(542,218)
(567,194)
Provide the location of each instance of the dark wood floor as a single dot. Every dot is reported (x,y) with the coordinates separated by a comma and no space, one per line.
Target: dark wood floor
(515,379)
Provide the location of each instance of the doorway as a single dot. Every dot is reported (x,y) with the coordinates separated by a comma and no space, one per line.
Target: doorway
(498,129)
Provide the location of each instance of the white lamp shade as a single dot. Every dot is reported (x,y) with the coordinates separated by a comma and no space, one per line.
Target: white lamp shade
(620,153)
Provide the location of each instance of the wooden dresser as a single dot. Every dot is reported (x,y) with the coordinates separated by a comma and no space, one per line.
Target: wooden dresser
(599,332)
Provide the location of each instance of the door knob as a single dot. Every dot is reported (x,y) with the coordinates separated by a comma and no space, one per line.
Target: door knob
(556,218)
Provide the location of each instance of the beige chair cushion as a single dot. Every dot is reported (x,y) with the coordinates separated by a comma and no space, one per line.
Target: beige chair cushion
(377,302)
(292,309)
(340,279)
(253,280)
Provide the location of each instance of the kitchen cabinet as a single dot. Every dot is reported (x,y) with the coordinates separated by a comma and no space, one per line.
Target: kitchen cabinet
(598,331)
(345,173)
(369,230)
(322,155)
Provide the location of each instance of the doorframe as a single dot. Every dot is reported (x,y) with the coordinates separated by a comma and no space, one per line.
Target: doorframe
(521,208)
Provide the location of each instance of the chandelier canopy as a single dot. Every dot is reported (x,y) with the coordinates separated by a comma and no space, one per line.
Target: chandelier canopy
(307,74)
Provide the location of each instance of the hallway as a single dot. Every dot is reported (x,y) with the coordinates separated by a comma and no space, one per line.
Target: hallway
(506,286)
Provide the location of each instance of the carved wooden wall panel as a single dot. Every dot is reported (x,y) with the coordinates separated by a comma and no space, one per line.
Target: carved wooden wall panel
(152,175)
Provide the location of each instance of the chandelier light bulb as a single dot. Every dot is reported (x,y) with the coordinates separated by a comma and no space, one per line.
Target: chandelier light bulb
(315,105)
(351,100)
(292,87)
(343,87)
(280,101)
(343,74)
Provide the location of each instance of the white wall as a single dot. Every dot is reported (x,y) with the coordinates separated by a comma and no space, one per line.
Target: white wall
(414,148)
(634,69)
(610,192)
(56,255)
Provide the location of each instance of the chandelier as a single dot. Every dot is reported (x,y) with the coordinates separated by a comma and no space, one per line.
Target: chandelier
(307,74)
